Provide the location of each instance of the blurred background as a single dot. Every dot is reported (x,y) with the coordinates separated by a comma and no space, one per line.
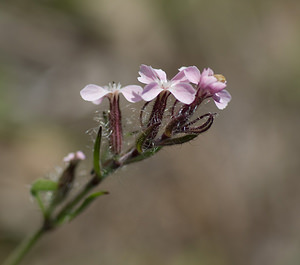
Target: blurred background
(231,196)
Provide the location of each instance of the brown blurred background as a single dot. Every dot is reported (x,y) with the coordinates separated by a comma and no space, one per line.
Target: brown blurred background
(230,197)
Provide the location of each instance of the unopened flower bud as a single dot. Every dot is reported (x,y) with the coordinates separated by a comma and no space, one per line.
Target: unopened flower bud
(66,179)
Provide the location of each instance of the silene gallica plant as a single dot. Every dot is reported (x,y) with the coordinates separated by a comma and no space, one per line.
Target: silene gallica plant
(169,116)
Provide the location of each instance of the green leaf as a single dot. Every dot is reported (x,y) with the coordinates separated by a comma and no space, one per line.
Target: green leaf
(43,185)
(178,140)
(86,203)
(97,146)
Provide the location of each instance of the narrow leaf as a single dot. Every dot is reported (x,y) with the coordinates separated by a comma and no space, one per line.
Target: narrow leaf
(86,203)
(43,185)
(97,145)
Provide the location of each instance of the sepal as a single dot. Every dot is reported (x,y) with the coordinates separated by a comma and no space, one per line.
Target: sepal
(177,140)
(146,154)
(143,137)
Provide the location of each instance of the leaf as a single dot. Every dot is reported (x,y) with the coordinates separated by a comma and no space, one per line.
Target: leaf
(43,185)
(86,203)
(178,140)
(97,146)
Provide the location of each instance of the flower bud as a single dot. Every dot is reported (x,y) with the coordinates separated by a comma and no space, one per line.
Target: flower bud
(66,179)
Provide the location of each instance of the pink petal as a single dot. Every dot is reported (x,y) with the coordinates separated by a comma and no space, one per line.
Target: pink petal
(151,91)
(80,155)
(222,99)
(147,74)
(93,92)
(216,87)
(179,77)
(69,157)
(161,74)
(207,71)
(207,80)
(193,74)
(183,92)
(132,93)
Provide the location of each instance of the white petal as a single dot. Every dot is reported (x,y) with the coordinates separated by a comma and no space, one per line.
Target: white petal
(161,74)
(93,92)
(183,92)
(98,101)
(132,93)
(151,91)
(147,74)
(179,77)
(192,73)
(216,87)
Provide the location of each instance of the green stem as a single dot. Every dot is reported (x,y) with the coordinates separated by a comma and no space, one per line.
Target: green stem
(17,255)
(68,208)
(93,183)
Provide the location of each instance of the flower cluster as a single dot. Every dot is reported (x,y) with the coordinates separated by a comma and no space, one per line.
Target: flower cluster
(189,88)
(168,117)
(206,84)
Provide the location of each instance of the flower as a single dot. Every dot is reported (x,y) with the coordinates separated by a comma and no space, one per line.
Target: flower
(79,155)
(96,93)
(156,82)
(209,84)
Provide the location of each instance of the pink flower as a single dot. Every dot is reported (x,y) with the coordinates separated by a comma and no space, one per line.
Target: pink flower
(209,85)
(96,93)
(156,82)
(79,155)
